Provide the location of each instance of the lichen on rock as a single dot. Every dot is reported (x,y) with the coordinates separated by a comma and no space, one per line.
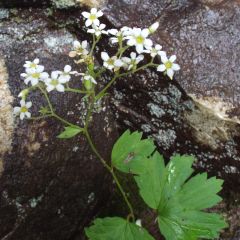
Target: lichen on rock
(210,122)
(91,3)
(61,4)
(6,116)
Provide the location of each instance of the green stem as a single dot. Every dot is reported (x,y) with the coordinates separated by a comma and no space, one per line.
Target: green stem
(63,120)
(41,117)
(102,92)
(112,173)
(74,90)
(95,41)
(47,98)
(53,114)
(108,167)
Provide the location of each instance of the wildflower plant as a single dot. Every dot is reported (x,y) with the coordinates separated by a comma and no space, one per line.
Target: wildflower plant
(177,199)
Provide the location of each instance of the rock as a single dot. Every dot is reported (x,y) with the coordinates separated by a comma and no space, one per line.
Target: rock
(24,3)
(59,4)
(198,113)
(186,116)
(49,188)
(211,84)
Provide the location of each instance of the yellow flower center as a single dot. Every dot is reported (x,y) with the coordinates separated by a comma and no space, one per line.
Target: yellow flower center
(54,82)
(33,65)
(92,17)
(110,61)
(168,65)
(80,50)
(24,109)
(140,40)
(36,75)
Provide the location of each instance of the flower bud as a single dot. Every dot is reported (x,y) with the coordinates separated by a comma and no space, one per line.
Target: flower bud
(23,94)
(88,84)
(153,27)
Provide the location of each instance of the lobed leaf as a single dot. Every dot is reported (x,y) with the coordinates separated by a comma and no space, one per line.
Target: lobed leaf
(178,199)
(116,228)
(130,153)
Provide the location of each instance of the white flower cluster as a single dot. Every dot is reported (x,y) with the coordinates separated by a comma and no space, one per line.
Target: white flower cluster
(134,37)
(35,76)
(127,38)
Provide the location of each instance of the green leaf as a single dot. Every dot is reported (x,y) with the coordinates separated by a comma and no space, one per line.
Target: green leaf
(70,132)
(116,229)
(130,153)
(179,200)
(151,182)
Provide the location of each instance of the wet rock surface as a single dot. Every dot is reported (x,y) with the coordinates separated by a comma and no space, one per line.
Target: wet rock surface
(24,3)
(204,35)
(49,188)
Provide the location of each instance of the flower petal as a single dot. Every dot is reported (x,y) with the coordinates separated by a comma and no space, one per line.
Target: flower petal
(164,58)
(172,58)
(96,22)
(161,68)
(44,75)
(34,81)
(60,88)
(67,69)
(76,44)
(139,48)
(145,33)
(99,14)
(16,110)
(88,23)
(104,56)
(22,115)
(54,74)
(86,14)
(148,42)
(118,63)
(28,114)
(50,88)
(175,67)
(29,104)
(93,11)
(36,61)
(40,68)
(170,73)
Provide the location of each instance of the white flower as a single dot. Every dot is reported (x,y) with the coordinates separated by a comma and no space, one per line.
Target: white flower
(23,109)
(65,75)
(55,83)
(126,30)
(89,78)
(79,48)
(92,17)
(111,63)
(154,51)
(88,81)
(138,38)
(153,28)
(168,66)
(116,33)
(98,30)
(131,63)
(119,35)
(33,64)
(34,75)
